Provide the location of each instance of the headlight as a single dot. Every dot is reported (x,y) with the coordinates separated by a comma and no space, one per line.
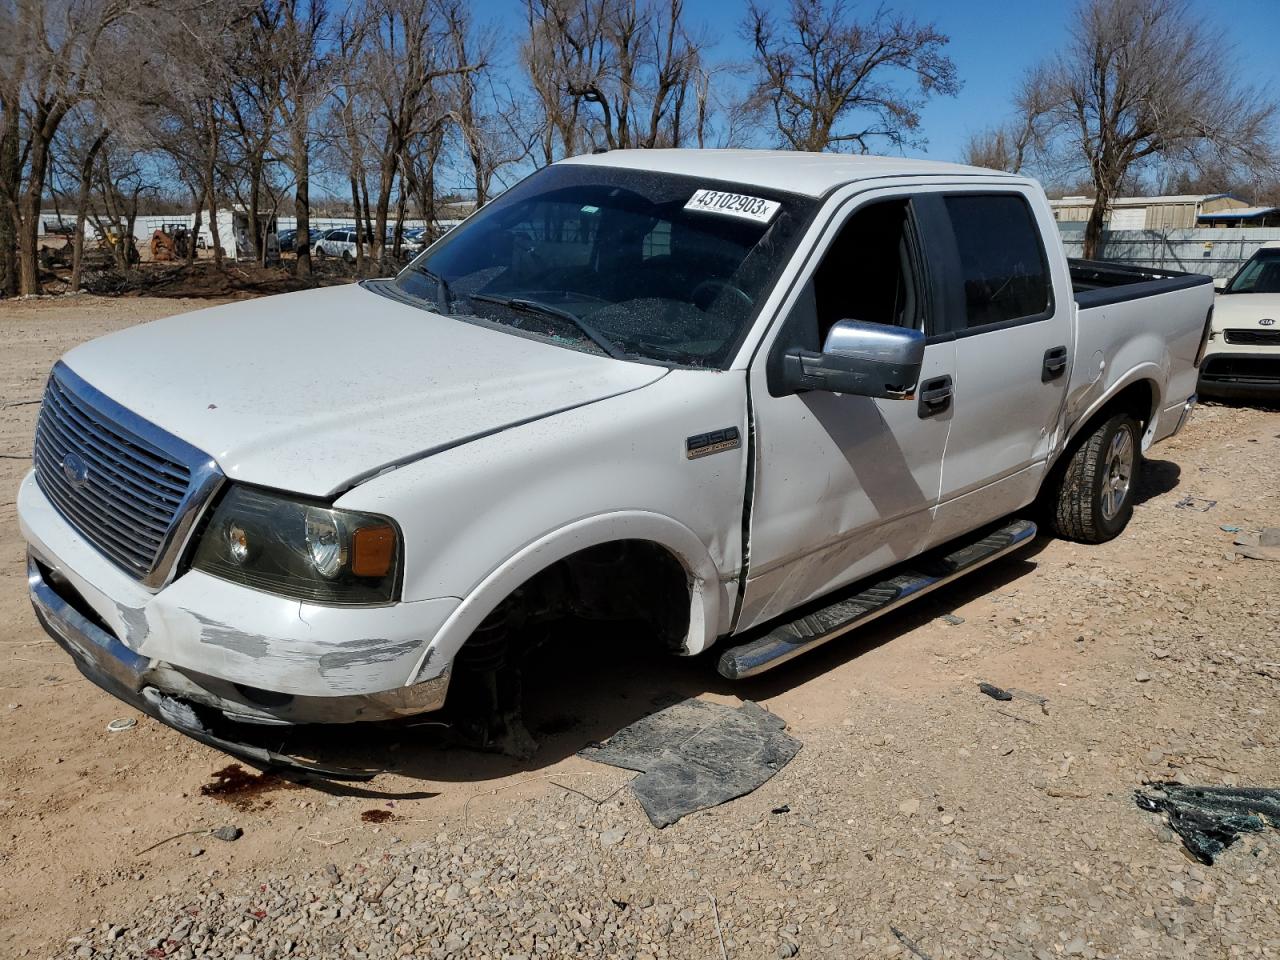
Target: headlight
(301,549)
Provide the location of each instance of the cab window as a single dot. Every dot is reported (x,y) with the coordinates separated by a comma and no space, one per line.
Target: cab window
(1002,260)
(871,271)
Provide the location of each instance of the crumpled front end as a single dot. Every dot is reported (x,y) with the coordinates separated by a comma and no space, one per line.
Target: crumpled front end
(207,657)
(252,656)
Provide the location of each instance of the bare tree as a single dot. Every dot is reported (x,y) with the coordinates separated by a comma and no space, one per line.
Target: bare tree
(81,138)
(565,42)
(121,182)
(305,74)
(827,80)
(1142,81)
(252,101)
(407,55)
(614,73)
(484,112)
(188,118)
(649,61)
(348,104)
(51,52)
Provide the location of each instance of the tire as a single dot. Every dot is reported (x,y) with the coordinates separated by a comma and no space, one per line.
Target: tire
(1093,498)
(318,252)
(347,257)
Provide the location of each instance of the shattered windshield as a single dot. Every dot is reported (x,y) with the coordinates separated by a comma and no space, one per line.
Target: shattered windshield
(625,263)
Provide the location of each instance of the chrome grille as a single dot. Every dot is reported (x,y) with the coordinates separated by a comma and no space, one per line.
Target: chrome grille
(132,490)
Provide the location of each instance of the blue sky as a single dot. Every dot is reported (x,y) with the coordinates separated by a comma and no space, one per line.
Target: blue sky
(992,43)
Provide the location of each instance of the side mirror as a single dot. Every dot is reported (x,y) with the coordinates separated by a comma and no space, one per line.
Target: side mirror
(1220,283)
(864,359)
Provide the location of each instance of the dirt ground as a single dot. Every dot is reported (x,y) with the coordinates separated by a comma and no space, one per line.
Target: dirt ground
(975,828)
(203,280)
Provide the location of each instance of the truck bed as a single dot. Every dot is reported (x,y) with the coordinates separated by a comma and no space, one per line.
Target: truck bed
(1096,283)
(1136,323)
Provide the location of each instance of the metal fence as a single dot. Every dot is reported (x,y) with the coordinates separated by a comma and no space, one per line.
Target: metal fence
(1218,252)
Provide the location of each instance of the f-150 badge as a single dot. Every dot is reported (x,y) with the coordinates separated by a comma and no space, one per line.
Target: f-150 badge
(705,444)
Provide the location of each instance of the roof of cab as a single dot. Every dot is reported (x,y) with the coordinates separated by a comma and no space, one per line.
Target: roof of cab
(814,174)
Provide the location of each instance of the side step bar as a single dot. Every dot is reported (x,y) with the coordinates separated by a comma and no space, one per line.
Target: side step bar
(921,575)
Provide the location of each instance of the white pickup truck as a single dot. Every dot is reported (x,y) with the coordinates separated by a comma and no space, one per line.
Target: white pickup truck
(753,399)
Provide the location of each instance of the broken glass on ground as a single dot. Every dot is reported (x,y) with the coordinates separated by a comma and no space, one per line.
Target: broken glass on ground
(1209,819)
(694,755)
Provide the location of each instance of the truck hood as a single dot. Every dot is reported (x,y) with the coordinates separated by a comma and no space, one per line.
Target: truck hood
(1245,310)
(312,392)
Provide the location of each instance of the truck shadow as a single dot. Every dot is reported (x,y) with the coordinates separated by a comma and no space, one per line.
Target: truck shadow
(591,680)
(1157,477)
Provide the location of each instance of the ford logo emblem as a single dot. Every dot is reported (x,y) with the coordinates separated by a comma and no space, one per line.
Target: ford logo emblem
(1266,322)
(75,470)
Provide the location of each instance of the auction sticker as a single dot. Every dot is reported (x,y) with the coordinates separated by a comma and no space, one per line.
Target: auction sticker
(733,205)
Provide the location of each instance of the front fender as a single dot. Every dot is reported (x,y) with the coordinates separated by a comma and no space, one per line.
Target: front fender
(709,597)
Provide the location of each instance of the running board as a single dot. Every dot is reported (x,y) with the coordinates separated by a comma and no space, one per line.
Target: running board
(921,575)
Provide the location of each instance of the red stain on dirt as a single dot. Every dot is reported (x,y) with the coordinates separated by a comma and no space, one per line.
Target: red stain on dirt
(236,786)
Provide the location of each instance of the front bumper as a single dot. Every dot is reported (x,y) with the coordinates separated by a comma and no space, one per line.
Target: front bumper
(109,664)
(1241,374)
(252,657)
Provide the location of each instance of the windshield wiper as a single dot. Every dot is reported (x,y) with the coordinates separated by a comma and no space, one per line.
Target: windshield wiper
(442,285)
(522,305)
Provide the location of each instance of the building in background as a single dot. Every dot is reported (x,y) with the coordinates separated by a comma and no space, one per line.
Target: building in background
(1179,212)
(1241,217)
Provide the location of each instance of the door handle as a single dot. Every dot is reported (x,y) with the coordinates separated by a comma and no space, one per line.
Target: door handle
(935,397)
(1055,363)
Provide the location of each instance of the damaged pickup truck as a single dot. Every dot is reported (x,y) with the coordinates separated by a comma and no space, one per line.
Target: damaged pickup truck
(752,399)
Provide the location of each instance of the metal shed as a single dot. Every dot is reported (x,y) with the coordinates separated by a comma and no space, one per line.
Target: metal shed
(1174,212)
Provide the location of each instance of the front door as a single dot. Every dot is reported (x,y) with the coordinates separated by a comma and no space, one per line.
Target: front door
(845,485)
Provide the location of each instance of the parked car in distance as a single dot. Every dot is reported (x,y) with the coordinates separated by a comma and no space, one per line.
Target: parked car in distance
(753,400)
(1242,358)
(286,238)
(340,242)
(412,242)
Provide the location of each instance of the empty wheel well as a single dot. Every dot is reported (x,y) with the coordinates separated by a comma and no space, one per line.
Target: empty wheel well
(635,580)
(1138,400)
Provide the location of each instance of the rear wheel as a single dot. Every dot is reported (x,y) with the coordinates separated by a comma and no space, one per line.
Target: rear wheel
(1093,500)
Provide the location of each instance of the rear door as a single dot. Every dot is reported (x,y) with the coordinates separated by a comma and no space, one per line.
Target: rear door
(1008,307)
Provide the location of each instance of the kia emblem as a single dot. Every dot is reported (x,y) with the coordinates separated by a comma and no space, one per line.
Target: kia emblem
(1266,322)
(75,470)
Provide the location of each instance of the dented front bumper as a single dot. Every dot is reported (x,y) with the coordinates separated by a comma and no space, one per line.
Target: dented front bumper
(250,656)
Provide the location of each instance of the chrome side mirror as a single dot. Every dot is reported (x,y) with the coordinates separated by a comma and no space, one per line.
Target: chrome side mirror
(864,359)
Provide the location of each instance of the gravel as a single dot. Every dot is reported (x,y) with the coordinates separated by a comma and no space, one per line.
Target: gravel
(988,863)
(975,828)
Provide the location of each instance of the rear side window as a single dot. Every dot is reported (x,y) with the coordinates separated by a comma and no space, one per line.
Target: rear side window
(1006,275)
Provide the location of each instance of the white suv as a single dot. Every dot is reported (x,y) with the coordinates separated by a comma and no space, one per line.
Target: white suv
(336,243)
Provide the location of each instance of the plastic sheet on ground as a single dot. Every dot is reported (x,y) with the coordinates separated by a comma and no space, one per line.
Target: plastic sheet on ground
(1209,819)
(694,755)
